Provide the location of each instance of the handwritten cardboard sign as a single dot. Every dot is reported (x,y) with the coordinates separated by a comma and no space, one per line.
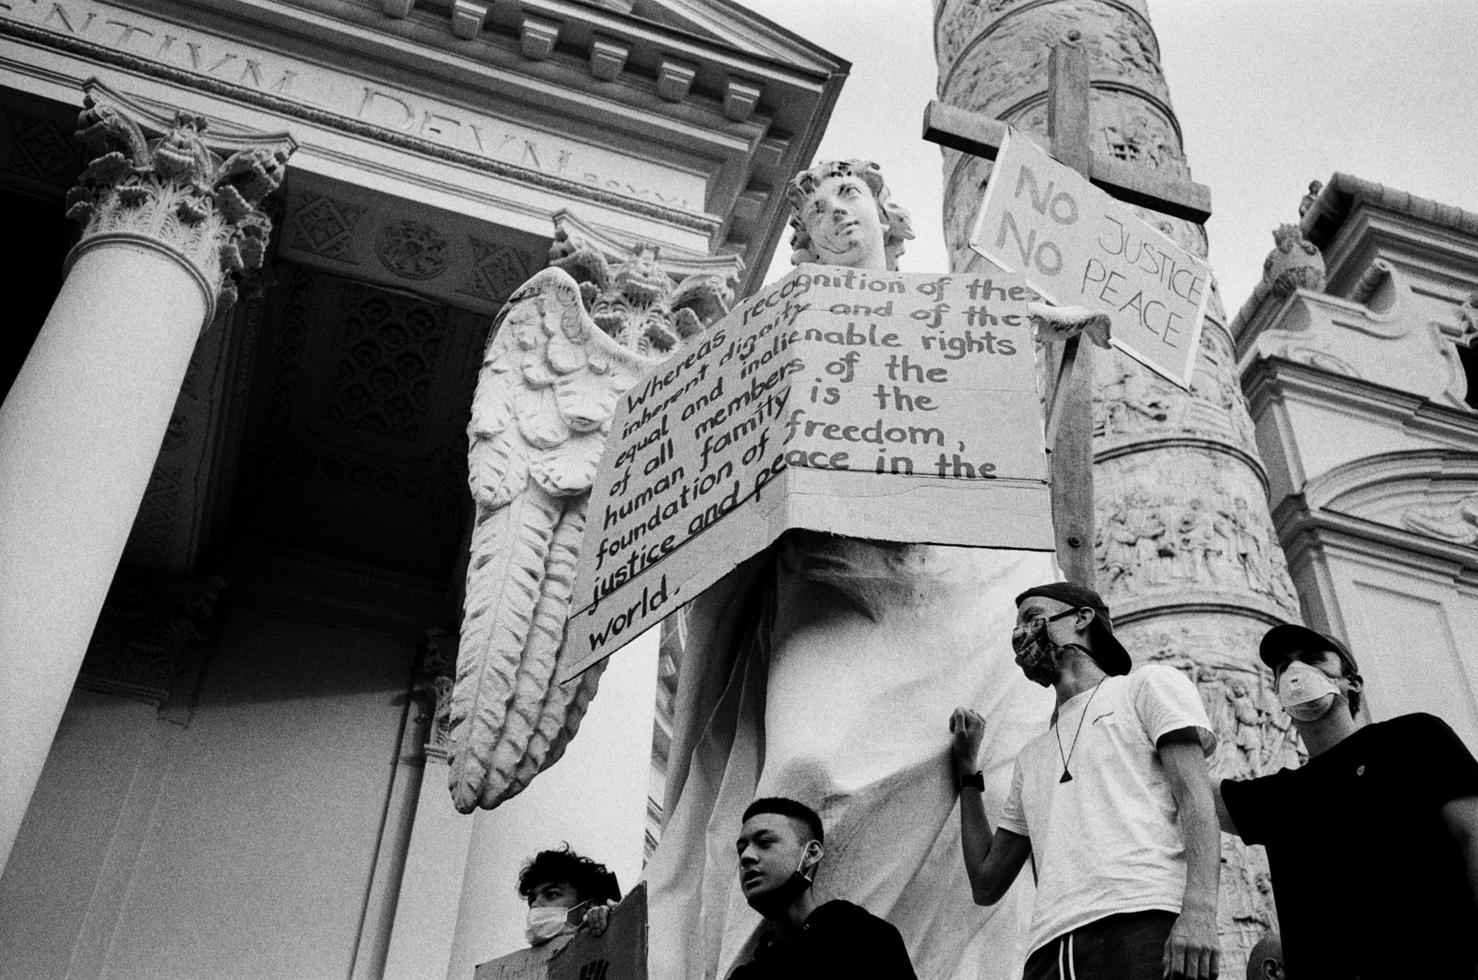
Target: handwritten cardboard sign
(883,405)
(1077,246)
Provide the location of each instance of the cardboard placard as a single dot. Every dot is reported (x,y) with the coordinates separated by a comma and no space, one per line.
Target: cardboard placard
(619,953)
(882,405)
(1077,246)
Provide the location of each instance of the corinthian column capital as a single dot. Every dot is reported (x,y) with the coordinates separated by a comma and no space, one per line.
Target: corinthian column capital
(158,182)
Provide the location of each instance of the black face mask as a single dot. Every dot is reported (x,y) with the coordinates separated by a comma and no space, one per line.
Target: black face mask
(1037,656)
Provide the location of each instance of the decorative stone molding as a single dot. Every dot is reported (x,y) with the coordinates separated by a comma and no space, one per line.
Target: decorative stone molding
(149,640)
(569,227)
(740,99)
(433,679)
(675,79)
(1455,520)
(496,270)
(198,202)
(413,250)
(1390,347)
(608,58)
(324,226)
(537,37)
(468,17)
(36,148)
(635,300)
(1467,321)
(1294,263)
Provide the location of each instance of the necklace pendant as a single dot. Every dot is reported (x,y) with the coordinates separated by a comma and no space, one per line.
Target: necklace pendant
(1067,777)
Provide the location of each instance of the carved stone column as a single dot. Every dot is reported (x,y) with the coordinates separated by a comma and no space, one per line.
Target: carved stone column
(170,224)
(1186,554)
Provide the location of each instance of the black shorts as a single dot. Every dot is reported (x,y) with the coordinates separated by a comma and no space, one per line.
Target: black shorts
(1130,946)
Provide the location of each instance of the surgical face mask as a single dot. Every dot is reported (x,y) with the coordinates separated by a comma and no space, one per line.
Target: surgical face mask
(1306,692)
(546,922)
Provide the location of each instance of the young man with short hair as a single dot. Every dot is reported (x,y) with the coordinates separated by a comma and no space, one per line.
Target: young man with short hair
(780,848)
(1112,804)
(1373,843)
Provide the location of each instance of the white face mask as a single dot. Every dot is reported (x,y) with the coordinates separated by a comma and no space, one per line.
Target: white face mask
(1306,692)
(547,922)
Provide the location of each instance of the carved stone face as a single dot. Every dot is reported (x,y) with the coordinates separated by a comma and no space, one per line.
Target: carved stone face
(844,223)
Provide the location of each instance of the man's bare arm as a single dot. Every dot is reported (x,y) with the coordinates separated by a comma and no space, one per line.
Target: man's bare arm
(1192,950)
(992,859)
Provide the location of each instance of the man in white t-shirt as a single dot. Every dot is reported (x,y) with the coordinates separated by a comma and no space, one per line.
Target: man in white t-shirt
(1112,804)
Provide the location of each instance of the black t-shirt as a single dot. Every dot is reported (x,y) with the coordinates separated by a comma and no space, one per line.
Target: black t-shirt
(1368,881)
(838,940)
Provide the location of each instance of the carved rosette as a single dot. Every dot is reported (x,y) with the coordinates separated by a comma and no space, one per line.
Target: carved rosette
(162,185)
(1186,552)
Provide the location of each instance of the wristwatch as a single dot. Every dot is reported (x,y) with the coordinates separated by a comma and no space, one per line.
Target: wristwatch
(975,779)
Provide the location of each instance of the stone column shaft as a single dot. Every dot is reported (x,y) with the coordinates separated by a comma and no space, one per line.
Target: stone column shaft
(166,229)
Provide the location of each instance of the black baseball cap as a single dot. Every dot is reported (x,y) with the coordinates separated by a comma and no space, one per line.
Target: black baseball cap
(1107,651)
(1277,641)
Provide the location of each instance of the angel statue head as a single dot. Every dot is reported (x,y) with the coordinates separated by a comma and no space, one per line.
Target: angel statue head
(842,214)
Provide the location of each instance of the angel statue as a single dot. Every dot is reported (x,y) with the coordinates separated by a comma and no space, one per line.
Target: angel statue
(546,392)
(824,671)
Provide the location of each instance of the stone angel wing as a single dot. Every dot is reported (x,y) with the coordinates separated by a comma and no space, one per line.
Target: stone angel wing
(546,392)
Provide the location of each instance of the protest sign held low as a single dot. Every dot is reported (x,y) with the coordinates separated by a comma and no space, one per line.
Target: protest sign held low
(882,405)
(1077,246)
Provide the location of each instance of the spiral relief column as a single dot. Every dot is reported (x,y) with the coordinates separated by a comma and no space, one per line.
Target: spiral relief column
(1186,554)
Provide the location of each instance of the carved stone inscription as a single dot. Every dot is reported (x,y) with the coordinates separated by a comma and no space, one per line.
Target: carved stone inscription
(346,95)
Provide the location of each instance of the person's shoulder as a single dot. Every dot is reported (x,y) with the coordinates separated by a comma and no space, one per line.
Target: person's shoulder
(1418,726)
(1160,681)
(1416,721)
(841,912)
(1156,674)
(839,909)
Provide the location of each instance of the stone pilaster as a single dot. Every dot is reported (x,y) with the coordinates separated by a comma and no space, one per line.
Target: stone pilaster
(170,225)
(1186,553)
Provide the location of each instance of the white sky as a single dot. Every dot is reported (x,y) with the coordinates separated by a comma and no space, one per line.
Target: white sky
(1270,94)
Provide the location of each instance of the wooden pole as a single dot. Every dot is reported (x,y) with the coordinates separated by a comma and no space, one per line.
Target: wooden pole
(1070,363)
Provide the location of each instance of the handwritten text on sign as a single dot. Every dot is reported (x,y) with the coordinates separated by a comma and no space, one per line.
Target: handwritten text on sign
(1077,246)
(872,404)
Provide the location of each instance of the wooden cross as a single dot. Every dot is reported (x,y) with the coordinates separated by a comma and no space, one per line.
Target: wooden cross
(1070,392)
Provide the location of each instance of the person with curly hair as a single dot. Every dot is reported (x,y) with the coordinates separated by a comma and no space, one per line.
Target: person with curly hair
(565,892)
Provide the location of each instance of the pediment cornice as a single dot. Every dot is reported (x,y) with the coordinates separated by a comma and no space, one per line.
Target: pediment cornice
(705,95)
(1426,496)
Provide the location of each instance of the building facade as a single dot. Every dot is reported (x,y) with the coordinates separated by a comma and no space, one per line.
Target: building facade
(247,778)
(1355,354)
